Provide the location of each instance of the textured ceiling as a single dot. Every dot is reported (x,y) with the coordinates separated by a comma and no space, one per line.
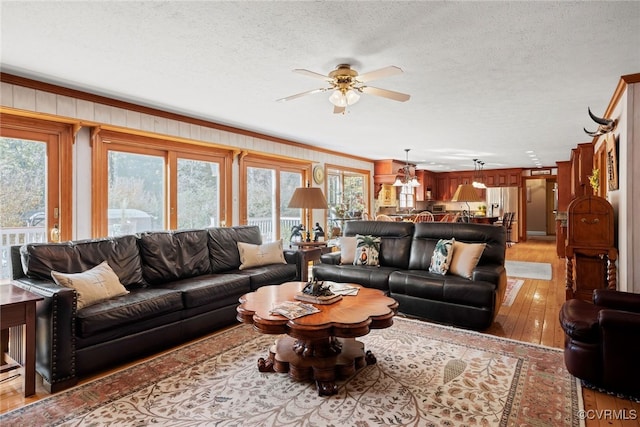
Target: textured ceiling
(488,80)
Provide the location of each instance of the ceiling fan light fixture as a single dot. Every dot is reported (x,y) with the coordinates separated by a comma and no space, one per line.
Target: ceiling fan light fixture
(340,99)
(352,97)
(346,85)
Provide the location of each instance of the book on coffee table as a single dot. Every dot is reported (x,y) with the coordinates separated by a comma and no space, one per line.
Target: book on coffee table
(343,289)
(328,299)
(293,310)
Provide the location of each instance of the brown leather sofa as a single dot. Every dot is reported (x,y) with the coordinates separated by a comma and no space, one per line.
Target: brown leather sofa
(602,340)
(405,256)
(182,284)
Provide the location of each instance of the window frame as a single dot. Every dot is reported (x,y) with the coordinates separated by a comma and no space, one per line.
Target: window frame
(279,164)
(104,141)
(59,138)
(342,170)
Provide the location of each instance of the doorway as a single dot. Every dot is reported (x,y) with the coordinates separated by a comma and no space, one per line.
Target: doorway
(541,203)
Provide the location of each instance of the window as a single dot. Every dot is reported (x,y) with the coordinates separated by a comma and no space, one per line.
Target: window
(35,183)
(269,188)
(136,192)
(347,195)
(407,197)
(198,195)
(146,184)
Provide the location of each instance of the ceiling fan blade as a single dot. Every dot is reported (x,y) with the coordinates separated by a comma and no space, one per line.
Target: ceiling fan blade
(396,96)
(338,110)
(313,74)
(392,70)
(299,95)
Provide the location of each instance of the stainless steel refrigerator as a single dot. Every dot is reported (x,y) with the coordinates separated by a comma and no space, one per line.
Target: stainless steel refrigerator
(501,200)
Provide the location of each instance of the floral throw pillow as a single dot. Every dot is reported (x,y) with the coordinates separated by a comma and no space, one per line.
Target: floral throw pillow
(367,250)
(441,258)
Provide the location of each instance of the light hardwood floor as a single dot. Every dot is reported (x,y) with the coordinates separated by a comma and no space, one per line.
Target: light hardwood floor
(533,317)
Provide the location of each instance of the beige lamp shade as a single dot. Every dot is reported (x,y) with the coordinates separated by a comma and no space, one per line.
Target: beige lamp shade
(308,198)
(466,193)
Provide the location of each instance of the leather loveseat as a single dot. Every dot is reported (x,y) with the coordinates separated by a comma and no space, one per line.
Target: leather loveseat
(182,284)
(403,272)
(602,340)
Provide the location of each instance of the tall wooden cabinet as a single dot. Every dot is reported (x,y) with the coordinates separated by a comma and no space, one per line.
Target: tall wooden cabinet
(590,249)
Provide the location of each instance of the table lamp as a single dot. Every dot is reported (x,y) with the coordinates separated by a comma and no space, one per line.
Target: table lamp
(308,198)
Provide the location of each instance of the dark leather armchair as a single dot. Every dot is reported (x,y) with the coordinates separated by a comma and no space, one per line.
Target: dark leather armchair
(602,340)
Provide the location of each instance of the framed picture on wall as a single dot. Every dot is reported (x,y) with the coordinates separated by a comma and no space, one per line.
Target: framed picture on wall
(612,161)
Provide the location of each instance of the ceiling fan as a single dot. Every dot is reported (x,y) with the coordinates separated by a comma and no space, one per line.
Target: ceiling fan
(346,83)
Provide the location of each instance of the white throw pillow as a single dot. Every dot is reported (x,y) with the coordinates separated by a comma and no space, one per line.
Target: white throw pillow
(347,249)
(94,285)
(257,255)
(465,258)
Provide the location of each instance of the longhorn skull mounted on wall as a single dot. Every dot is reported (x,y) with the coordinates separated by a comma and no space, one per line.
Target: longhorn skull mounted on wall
(604,125)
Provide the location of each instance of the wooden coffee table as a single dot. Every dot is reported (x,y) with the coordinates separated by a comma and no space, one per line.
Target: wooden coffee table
(319,346)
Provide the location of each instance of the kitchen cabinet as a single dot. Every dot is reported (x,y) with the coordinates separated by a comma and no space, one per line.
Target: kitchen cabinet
(444,184)
(442,188)
(509,178)
(503,177)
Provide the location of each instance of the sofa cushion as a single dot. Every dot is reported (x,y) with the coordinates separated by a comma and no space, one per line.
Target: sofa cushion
(138,305)
(222,289)
(395,239)
(269,274)
(441,257)
(367,250)
(465,292)
(92,286)
(347,249)
(173,255)
(223,245)
(122,254)
(465,258)
(369,276)
(450,289)
(417,283)
(256,255)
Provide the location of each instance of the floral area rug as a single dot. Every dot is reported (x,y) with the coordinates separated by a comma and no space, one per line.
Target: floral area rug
(513,287)
(425,375)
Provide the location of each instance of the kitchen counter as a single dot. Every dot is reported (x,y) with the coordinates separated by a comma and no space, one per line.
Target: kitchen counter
(484,219)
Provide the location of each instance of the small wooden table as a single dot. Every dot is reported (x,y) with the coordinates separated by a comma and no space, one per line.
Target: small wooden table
(319,346)
(309,252)
(18,307)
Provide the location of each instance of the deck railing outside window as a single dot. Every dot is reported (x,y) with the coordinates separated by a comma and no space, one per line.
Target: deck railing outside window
(17,236)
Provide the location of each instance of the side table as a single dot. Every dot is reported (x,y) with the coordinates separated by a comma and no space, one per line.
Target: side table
(18,307)
(307,255)
(309,252)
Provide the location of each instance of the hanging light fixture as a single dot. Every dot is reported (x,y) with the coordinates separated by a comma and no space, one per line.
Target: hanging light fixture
(406,178)
(478,179)
(343,98)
